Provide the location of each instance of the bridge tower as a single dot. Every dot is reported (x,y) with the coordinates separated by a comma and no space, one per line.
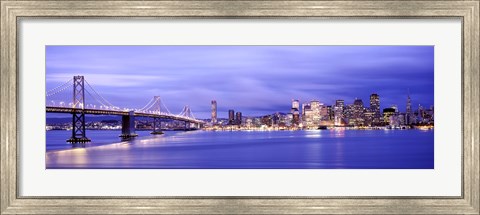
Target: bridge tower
(78,122)
(157,121)
(186,112)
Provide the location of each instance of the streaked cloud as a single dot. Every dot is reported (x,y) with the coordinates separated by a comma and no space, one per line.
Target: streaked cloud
(252,79)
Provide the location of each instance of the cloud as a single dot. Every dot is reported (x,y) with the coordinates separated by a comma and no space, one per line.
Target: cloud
(250,79)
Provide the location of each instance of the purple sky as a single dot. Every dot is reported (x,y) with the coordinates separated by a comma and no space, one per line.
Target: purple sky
(255,80)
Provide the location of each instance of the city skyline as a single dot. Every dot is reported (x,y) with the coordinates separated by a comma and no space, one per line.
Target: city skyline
(254,80)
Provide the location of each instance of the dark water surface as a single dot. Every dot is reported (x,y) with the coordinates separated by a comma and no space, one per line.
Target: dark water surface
(319,149)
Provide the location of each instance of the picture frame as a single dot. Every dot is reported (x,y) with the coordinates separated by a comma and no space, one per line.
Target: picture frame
(13,203)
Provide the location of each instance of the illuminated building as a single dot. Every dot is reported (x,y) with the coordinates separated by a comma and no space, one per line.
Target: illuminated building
(375,109)
(238,118)
(358,113)
(289,119)
(266,120)
(295,104)
(295,111)
(369,117)
(214,112)
(338,112)
(331,114)
(231,117)
(348,114)
(296,118)
(408,114)
(387,113)
(307,115)
(313,114)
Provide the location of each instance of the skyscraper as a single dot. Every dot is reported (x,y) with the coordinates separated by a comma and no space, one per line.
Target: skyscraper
(295,111)
(408,114)
(296,118)
(231,117)
(238,119)
(375,108)
(214,112)
(295,104)
(338,112)
(358,112)
(316,115)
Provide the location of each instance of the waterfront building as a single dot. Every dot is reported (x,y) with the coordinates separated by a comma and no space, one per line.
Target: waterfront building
(304,105)
(331,113)
(296,118)
(214,112)
(276,118)
(394,121)
(338,112)
(358,112)
(401,119)
(282,118)
(231,117)
(296,104)
(249,122)
(307,116)
(289,119)
(375,109)
(295,108)
(238,118)
(316,115)
(348,114)
(408,116)
(324,113)
(428,115)
(369,117)
(266,120)
(387,113)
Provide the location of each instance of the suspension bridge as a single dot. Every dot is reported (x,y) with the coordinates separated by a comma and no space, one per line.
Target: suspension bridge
(98,105)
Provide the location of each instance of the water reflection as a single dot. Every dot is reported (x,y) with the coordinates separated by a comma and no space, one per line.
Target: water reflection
(325,149)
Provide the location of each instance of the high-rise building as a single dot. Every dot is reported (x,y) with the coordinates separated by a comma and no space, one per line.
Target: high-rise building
(358,112)
(238,118)
(295,104)
(295,110)
(408,114)
(369,117)
(317,112)
(296,118)
(331,114)
(307,115)
(348,114)
(375,109)
(302,111)
(338,112)
(231,117)
(214,112)
(387,113)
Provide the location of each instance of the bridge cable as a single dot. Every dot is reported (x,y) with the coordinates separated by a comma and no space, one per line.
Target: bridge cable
(106,101)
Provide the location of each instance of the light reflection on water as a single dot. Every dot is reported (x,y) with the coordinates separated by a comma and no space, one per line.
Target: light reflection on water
(319,149)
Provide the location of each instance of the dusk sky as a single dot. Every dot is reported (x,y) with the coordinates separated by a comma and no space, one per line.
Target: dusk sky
(255,80)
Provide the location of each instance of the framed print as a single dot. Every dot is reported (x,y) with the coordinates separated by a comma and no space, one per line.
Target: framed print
(269,107)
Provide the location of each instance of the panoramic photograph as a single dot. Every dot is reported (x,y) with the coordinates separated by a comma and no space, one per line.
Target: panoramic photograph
(239,107)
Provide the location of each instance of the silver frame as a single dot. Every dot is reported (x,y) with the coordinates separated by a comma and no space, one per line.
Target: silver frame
(11,203)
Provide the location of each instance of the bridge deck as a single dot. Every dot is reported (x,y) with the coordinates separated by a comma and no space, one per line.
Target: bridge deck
(118,113)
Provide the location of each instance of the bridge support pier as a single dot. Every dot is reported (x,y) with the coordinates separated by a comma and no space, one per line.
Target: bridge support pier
(78,129)
(128,126)
(157,126)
